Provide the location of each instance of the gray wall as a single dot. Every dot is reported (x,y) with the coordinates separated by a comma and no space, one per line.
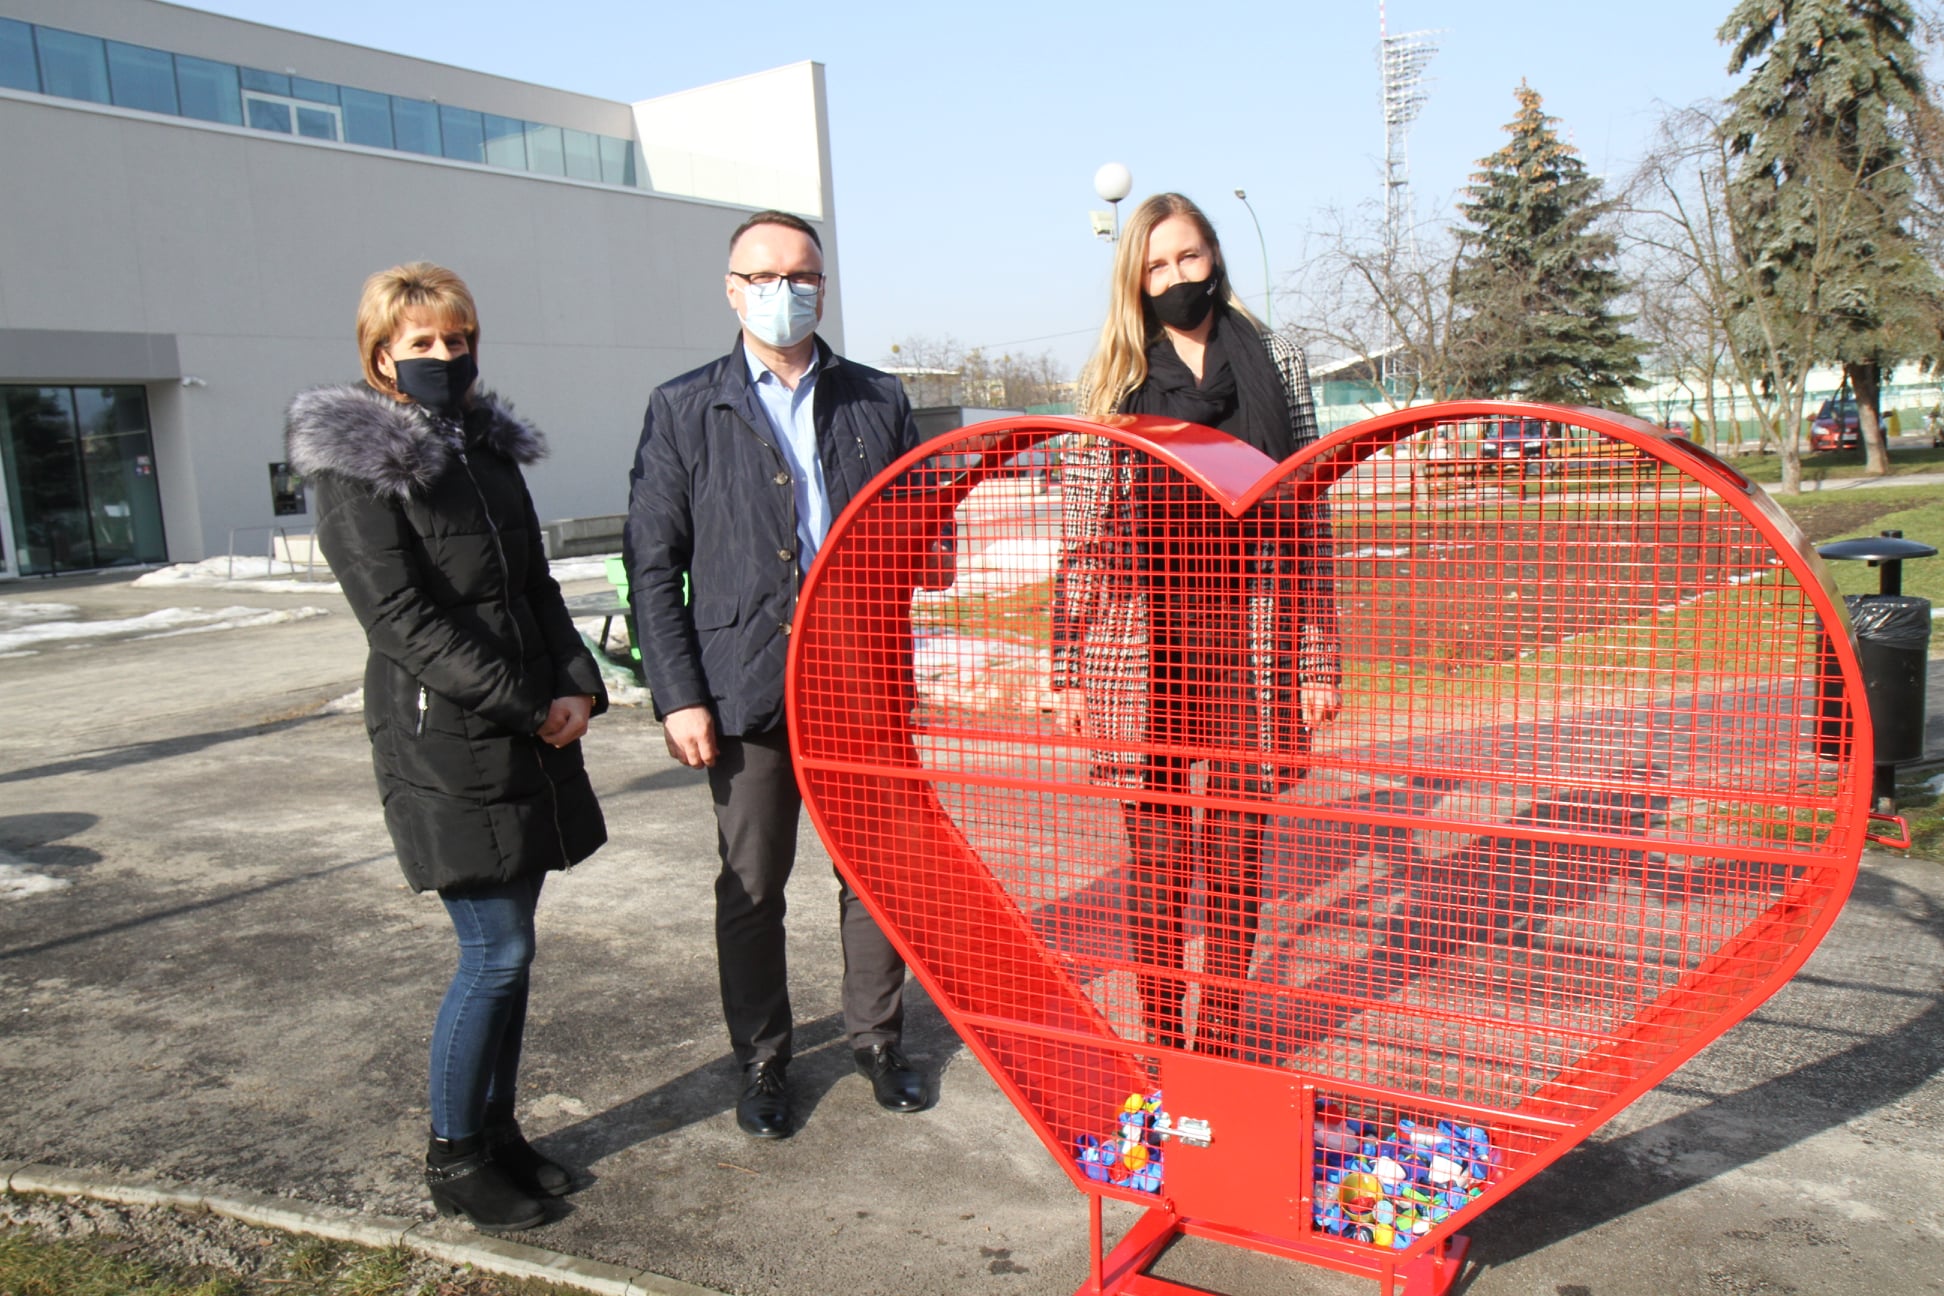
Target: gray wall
(248,250)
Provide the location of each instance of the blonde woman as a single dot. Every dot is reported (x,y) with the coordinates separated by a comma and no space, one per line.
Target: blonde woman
(1180,633)
(477,691)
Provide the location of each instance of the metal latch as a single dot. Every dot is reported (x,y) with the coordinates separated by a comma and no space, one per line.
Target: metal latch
(1189,1129)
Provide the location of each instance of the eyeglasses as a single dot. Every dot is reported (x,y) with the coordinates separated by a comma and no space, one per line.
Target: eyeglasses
(804,283)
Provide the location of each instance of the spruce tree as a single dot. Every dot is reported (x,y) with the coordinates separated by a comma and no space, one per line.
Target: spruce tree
(1535,281)
(1820,126)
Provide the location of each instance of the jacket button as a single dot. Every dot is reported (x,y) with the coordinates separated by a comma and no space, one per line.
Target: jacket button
(784,626)
(785,554)
(782,479)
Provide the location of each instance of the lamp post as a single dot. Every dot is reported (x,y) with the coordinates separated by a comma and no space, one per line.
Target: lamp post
(1268,318)
(1113,182)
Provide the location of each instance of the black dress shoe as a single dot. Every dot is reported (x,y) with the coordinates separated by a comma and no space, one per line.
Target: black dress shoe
(897,1086)
(763,1111)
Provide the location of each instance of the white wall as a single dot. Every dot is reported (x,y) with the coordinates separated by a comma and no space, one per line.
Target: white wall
(250,250)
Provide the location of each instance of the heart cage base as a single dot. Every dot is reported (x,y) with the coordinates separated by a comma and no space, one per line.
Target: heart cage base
(1313,852)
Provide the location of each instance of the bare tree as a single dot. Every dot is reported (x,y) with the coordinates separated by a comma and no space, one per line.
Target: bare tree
(1388,308)
(940,371)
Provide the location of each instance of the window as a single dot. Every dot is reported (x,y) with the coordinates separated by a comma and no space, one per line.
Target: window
(315,91)
(73,67)
(275,83)
(267,114)
(545,152)
(583,155)
(70,65)
(141,78)
(367,117)
(318,123)
(617,161)
(415,124)
(505,141)
(208,91)
(465,137)
(17,68)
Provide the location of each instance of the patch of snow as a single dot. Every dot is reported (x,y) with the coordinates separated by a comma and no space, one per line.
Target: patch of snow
(256,575)
(591,567)
(17,879)
(16,613)
(1001,566)
(159,624)
(351,703)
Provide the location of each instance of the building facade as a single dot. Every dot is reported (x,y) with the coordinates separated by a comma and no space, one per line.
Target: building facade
(192,204)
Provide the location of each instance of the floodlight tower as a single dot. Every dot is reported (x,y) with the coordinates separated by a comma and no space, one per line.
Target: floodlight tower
(1402,59)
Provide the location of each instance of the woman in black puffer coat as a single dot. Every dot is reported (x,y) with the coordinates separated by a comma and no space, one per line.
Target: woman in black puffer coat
(477,691)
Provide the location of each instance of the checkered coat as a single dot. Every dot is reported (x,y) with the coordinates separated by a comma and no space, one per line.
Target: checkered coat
(1261,637)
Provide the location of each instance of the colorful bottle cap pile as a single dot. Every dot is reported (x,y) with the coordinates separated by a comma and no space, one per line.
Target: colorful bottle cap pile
(1390,1190)
(1131,1156)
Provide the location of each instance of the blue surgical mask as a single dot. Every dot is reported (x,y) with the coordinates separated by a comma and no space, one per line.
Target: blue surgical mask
(778,316)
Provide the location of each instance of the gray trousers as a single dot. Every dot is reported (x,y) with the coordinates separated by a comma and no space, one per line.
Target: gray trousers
(757,807)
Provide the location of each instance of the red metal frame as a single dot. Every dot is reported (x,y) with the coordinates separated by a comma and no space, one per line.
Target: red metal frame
(1596,792)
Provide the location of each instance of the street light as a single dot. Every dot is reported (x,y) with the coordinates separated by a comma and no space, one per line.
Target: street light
(1267,311)
(1112,182)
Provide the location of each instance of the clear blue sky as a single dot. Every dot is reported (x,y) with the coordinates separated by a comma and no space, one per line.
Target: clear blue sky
(965,137)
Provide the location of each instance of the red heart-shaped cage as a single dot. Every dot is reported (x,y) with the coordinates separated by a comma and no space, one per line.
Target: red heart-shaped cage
(1315,851)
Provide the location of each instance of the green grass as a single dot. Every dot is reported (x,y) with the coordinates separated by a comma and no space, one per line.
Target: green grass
(1917,511)
(1836,465)
(34,1264)
(1022,615)
(1922,809)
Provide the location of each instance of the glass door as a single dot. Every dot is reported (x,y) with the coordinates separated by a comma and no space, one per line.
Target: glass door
(80,479)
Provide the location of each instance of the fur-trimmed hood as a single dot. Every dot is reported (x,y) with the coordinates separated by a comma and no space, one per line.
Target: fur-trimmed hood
(391,447)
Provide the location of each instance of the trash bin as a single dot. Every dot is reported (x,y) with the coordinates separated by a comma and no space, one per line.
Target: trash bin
(1893,648)
(1892,643)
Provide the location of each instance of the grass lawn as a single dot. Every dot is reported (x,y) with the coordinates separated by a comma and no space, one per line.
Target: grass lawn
(34,1263)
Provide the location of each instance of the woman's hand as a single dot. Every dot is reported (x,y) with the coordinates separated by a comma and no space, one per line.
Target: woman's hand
(1070,710)
(566,720)
(1321,703)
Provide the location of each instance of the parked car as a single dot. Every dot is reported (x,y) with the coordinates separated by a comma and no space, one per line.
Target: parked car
(1515,438)
(1837,425)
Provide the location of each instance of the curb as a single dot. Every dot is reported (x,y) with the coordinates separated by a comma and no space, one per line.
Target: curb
(288,1215)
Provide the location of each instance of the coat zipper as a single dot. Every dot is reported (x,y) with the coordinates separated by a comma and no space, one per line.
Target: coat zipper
(519,637)
(419,731)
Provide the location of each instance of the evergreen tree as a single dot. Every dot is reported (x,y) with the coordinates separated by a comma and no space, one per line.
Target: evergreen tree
(1535,280)
(1820,126)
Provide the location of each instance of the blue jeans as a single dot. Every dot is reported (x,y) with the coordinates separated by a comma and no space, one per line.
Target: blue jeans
(482,1020)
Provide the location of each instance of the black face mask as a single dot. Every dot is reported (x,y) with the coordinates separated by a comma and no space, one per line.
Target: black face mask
(1186,304)
(439,385)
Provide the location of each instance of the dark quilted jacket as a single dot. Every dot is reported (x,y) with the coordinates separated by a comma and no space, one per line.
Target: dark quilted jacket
(438,550)
(711,496)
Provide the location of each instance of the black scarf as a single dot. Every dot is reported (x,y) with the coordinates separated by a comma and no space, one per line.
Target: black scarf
(1240,392)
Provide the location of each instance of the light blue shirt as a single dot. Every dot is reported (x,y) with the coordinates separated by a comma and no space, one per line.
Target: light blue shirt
(792,420)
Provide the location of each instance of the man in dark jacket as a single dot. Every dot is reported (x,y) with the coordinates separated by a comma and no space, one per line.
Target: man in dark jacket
(742,465)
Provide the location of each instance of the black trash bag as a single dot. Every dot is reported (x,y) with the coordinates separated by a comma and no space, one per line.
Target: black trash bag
(1893,620)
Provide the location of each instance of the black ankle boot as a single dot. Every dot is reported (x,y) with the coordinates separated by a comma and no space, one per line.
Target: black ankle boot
(464,1181)
(533,1173)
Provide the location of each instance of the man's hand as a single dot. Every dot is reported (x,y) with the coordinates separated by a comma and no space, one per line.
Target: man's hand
(566,720)
(691,736)
(1070,710)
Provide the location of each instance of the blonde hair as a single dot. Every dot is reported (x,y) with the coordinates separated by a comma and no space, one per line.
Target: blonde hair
(1119,363)
(391,294)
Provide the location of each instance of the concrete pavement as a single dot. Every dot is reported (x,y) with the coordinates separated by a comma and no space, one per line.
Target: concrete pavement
(233,989)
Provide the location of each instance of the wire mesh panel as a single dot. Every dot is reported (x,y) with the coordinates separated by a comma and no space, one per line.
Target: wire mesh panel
(1315,851)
